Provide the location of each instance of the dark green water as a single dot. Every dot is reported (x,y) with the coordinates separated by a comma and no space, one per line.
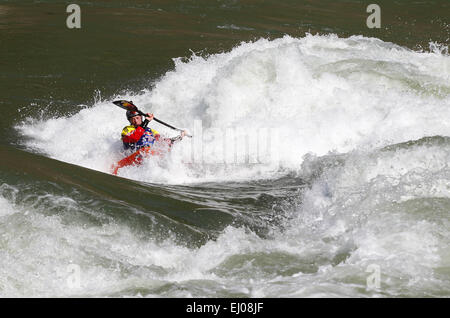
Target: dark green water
(337,202)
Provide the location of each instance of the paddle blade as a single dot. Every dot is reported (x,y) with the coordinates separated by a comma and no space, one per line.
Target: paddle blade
(126,105)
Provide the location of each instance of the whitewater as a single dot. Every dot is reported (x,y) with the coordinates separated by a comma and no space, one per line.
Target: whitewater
(310,95)
(344,144)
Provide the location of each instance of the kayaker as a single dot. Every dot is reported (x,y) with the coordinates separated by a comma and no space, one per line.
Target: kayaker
(138,135)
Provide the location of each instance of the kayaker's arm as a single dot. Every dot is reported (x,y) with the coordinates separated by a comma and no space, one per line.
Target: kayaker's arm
(145,123)
(148,118)
(177,138)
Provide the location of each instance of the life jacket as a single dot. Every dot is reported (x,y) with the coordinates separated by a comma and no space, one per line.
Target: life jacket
(136,138)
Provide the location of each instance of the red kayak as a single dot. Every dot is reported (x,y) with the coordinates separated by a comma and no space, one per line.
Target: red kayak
(135,158)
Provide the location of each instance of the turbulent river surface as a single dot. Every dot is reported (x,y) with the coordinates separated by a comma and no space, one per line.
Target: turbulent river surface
(318,166)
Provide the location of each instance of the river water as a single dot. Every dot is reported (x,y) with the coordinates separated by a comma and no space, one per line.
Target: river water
(318,167)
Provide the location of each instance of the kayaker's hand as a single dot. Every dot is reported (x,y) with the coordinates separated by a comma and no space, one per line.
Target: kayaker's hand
(149,116)
(183,133)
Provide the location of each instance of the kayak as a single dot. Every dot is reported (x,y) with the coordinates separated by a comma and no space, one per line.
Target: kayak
(135,158)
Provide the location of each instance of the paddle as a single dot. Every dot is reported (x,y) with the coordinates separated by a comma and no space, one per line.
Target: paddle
(128,105)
